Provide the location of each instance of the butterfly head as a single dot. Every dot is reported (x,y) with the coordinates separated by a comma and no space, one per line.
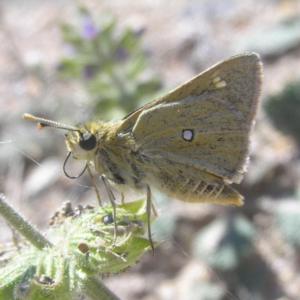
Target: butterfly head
(81,140)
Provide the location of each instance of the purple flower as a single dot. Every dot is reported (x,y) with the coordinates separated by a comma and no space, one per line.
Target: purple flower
(89,30)
(122,53)
(88,72)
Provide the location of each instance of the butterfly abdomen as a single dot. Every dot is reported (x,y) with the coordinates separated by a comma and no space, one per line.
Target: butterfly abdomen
(208,188)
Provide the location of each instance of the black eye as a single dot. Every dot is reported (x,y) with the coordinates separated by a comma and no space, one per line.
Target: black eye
(87,141)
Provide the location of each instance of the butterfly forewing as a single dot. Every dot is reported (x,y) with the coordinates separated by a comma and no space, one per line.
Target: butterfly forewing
(240,66)
(215,110)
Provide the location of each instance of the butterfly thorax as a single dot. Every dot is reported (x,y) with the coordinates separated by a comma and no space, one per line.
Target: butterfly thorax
(115,153)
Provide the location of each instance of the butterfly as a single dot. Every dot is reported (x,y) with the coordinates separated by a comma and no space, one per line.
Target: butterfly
(190,144)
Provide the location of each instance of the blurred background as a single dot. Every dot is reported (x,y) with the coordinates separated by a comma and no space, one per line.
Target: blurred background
(70,61)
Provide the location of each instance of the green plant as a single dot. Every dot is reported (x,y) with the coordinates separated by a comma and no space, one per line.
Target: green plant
(79,246)
(110,63)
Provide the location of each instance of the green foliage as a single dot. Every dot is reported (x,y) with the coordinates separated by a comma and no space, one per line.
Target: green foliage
(83,248)
(109,62)
(284,110)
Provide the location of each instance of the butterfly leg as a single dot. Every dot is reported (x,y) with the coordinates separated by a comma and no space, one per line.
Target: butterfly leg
(113,204)
(148,211)
(94,184)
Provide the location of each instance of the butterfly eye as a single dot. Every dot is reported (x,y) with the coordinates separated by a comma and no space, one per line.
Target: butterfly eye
(87,141)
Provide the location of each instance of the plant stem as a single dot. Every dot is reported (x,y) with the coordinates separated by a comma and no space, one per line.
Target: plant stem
(101,56)
(21,225)
(94,289)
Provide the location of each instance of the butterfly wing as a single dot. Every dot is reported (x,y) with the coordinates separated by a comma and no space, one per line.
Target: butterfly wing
(205,123)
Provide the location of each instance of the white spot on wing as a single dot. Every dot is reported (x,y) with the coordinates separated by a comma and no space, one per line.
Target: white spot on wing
(216,79)
(218,82)
(188,135)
